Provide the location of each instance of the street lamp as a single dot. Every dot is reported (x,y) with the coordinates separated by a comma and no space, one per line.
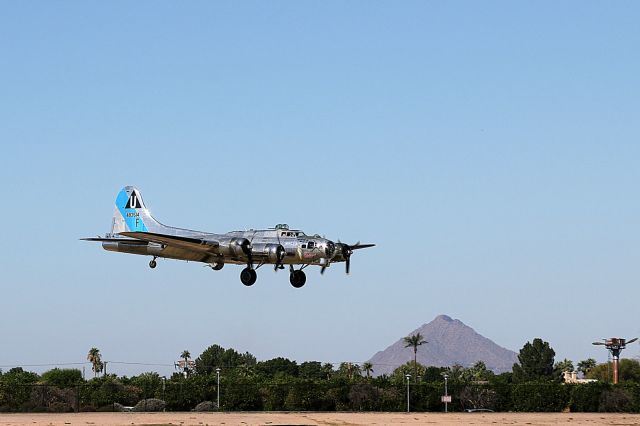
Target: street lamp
(218,374)
(408,376)
(446,395)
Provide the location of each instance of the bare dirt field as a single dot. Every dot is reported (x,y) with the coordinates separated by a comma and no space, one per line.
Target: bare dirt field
(157,419)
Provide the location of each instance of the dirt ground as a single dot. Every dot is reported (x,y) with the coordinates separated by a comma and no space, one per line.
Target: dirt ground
(260,418)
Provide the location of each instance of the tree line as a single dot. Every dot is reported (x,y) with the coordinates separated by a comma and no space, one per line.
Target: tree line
(534,384)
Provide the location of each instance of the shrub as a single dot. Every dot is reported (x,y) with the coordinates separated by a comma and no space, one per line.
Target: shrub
(60,407)
(151,404)
(540,396)
(615,400)
(586,397)
(206,406)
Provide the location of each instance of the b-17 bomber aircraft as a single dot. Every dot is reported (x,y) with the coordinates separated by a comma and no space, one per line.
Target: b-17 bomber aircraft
(134,230)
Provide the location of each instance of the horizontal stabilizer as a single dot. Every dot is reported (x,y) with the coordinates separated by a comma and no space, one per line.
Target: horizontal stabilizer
(118,240)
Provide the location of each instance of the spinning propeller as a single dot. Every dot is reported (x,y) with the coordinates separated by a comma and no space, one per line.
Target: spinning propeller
(346,250)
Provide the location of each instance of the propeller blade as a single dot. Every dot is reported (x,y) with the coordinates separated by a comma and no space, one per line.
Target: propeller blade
(324,268)
(346,254)
(598,343)
(632,340)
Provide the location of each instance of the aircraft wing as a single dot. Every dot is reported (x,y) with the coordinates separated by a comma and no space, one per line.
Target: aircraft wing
(188,243)
(361,246)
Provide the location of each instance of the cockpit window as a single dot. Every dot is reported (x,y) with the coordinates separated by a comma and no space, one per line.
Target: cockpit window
(311,245)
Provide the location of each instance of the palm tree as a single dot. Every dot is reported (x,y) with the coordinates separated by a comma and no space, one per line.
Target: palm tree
(414,341)
(186,355)
(368,368)
(95,359)
(349,370)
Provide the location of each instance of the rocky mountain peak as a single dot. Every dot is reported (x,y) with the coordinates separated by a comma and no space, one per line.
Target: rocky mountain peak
(450,342)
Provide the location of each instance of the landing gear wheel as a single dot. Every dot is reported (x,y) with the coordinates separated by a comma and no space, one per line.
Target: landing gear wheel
(153,264)
(297,278)
(248,276)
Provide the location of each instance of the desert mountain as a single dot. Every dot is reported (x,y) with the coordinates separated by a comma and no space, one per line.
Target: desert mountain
(450,342)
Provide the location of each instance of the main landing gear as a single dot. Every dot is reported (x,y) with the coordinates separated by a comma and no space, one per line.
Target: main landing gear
(297,278)
(248,276)
(153,263)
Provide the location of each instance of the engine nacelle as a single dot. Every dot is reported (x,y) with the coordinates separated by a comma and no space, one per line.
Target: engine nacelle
(155,248)
(236,247)
(273,253)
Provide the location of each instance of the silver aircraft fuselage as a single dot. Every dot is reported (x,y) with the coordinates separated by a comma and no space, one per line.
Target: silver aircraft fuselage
(298,247)
(134,230)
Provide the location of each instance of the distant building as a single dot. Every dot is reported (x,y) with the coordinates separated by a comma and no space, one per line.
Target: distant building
(572,377)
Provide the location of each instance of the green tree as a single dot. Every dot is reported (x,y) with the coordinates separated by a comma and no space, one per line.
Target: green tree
(311,370)
(561,366)
(456,373)
(414,341)
(327,370)
(586,365)
(434,374)
(149,384)
(215,356)
(95,358)
(18,376)
(536,362)
(246,370)
(398,375)
(628,371)
(601,372)
(477,373)
(62,378)
(14,388)
(277,366)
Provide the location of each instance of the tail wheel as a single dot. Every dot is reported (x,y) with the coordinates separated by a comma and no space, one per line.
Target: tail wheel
(153,264)
(248,276)
(297,278)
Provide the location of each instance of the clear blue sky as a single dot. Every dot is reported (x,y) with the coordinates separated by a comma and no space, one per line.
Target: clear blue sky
(490,150)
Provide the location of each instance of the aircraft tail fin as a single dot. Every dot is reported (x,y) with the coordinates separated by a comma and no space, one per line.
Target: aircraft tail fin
(131,214)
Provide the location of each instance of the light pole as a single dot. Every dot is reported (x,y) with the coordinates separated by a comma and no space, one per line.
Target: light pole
(446,399)
(218,374)
(408,376)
